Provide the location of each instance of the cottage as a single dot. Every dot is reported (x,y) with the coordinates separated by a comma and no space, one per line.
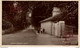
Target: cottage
(53,25)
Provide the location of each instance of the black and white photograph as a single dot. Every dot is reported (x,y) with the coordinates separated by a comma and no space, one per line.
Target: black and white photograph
(39,22)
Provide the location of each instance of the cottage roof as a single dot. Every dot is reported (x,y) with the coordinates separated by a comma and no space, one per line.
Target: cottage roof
(53,18)
(56,15)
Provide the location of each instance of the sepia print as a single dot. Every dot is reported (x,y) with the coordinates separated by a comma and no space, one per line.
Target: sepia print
(39,22)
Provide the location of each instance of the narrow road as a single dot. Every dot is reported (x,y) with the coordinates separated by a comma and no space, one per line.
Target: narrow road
(29,37)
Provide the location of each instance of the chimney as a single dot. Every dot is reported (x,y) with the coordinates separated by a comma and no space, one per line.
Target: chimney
(56,11)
